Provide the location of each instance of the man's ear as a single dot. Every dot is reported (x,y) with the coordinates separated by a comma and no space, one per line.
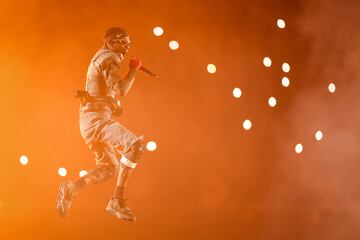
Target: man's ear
(107,43)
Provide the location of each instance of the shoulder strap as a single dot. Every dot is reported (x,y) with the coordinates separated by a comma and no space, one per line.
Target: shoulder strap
(103,54)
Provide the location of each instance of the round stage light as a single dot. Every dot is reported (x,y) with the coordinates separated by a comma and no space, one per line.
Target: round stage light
(158,31)
(272,102)
(211,68)
(299,148)
(24,160)
(151,146)
(237,92)
(82,173)
(247,124)
(286,67)
(62,172)
(319,135)
(267,62)
(332,88)
(285,81)
(174,45)
(281,23)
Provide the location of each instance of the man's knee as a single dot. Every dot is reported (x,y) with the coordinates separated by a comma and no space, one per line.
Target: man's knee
(135,151)
(100,174)
(132,156)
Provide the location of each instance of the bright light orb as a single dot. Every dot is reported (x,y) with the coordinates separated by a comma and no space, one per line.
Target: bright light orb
(24,160)
(174,45)
(82,173)
(158,31)
(281,23)
(267,62)
(247,124)
(332,88)
(319,135)
(285,82)
(286,67)
(237,92)
(211,68)
(62,172)
(272,102)
(299,148)
(151,146)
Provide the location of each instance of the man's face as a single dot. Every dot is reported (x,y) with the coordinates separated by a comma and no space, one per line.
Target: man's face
(120,44)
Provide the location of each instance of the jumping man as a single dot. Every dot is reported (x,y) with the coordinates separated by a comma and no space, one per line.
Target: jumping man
(105,136)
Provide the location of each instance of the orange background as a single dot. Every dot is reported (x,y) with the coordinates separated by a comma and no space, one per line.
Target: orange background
(208,179)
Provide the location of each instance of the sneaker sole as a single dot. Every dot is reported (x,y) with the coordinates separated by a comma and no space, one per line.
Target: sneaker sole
(121,216)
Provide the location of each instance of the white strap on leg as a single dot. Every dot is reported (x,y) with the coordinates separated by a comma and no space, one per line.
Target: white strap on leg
(127,162)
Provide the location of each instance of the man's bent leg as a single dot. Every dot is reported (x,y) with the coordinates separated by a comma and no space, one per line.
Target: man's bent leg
(117,205)
(128,162)
(105,167)
(104,170)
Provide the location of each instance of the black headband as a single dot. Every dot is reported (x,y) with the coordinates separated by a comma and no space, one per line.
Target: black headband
(115,32)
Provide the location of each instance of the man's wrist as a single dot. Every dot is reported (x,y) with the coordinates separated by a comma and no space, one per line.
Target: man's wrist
(131,73)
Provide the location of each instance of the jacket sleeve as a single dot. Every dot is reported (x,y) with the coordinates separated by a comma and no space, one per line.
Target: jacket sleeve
(110,69)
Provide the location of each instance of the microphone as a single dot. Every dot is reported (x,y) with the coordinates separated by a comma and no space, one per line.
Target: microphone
(144,69)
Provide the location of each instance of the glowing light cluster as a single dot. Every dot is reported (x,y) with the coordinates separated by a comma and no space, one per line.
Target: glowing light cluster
(267,62)
(247,124)
(24,160)
(319,135)
(272,102)
(211,68)
(151,146)
(285,81)
(82,173)
(237,92)
(158,31)
(174,45)
(332,88)
(281,23)
(286,67)
(299,148)
(62,172)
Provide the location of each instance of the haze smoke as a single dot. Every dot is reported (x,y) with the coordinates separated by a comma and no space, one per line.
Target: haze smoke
(319,198)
